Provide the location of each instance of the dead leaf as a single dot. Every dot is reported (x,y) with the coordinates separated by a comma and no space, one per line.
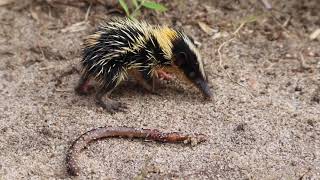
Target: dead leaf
(315,34)
(79,26)
(34,14)
(266,4)
(207,29)
(220,35)
(5,2)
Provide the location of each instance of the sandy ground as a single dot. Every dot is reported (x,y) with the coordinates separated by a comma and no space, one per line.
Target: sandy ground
(262,124)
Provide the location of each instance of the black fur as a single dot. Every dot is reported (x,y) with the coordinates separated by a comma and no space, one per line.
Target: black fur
(186,59)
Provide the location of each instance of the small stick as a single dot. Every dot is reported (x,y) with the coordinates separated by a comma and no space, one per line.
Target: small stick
(124,132)
(220,57)
(303,64)
(239,28)
(88,12)
(229,76)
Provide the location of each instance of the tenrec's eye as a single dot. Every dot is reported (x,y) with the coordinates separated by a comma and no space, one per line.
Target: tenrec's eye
(192,74)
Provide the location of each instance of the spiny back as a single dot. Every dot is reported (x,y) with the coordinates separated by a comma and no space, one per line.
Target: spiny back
(122,44)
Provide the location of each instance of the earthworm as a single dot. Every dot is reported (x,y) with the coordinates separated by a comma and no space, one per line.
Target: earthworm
(124,132)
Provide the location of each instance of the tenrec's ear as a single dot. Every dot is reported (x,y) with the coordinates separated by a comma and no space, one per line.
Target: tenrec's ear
(180,58)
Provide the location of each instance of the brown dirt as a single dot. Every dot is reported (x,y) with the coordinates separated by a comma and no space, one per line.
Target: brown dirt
(263,122)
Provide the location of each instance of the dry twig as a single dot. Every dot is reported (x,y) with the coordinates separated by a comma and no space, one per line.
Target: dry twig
(220,58)
(303,64)
(88,13)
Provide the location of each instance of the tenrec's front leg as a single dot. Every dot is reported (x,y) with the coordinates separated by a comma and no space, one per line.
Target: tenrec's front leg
(83,87)
(110,105)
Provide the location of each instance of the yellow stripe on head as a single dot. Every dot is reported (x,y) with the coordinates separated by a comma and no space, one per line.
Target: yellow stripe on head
(165,36)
